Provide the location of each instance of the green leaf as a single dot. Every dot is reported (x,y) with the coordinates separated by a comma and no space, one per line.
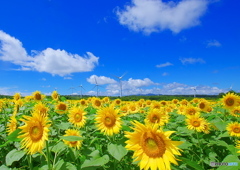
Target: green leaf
(219,124)
(96,162)
(4,167)
(58,147)
(117,151)
(58,165)
(192,164)
(71,138)
(14,155)
(68,165)
(62,98)
(14,135)
(232,149)
(95,154)
(230,159)
(185,145)
(64,126)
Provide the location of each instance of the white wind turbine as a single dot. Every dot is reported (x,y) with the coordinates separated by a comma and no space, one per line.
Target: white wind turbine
(120,82)
(96,85)
(195,91)
(72,88)
(81,88)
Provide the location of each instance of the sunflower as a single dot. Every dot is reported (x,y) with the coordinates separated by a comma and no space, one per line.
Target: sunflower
(55,95)
(124,109)
(184,102)
(203,105)
(74,144)
(61,108)
(133,107)
(197,123)
(83,102)
(34,133)
(41,109)
(37,96)
(234,129)
(148,102)
(155,105)
(175,101)
(77,116)
(191,110)
(12,125)
(17,96)
(117,102)
(106,100)
(235,111)
(158,116)
(152,147)
(96,103)
(108,120)
(231,100)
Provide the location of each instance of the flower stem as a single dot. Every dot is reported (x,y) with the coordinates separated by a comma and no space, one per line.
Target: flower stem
(48,156)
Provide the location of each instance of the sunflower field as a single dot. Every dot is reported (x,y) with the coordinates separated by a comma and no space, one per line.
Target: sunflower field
(39,133)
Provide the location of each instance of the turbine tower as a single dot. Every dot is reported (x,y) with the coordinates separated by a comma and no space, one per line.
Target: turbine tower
(96,85)
(82,88)
(72,88)
(120,82)
(195,91)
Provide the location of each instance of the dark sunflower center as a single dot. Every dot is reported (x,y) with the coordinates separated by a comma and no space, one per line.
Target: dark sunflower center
(97,103)
(236,130)
(229,101)
(191,112)
(82,102)
(153,145)
(109,120)
(155,119)
(73,142)
(237,112)
(78,117)
(196,123)
(38,96)
(201,105)
(36,132)
(133,108)
(62,107)
(118,102)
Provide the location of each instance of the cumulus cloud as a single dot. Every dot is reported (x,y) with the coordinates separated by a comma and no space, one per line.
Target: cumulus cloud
(191,60)
(155,15)
(213,43)
(164,65)
(55,62)
(130,86)
(101,80)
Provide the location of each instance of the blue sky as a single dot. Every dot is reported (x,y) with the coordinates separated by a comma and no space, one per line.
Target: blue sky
(162,47)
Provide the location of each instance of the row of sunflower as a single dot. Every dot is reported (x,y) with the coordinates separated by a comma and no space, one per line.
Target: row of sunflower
(42,133)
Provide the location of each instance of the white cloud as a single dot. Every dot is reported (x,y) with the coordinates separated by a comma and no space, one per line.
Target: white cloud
(101,80)
(131,86)
(191,60)
(165,74)
(155,15)
(55,62)
(67,78)
(44,79)
(213,43)
(164,64)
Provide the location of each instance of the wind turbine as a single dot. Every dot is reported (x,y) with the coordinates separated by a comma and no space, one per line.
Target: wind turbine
(96,85)
(195,91)
(120,82)
(72,89)
(82,88)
